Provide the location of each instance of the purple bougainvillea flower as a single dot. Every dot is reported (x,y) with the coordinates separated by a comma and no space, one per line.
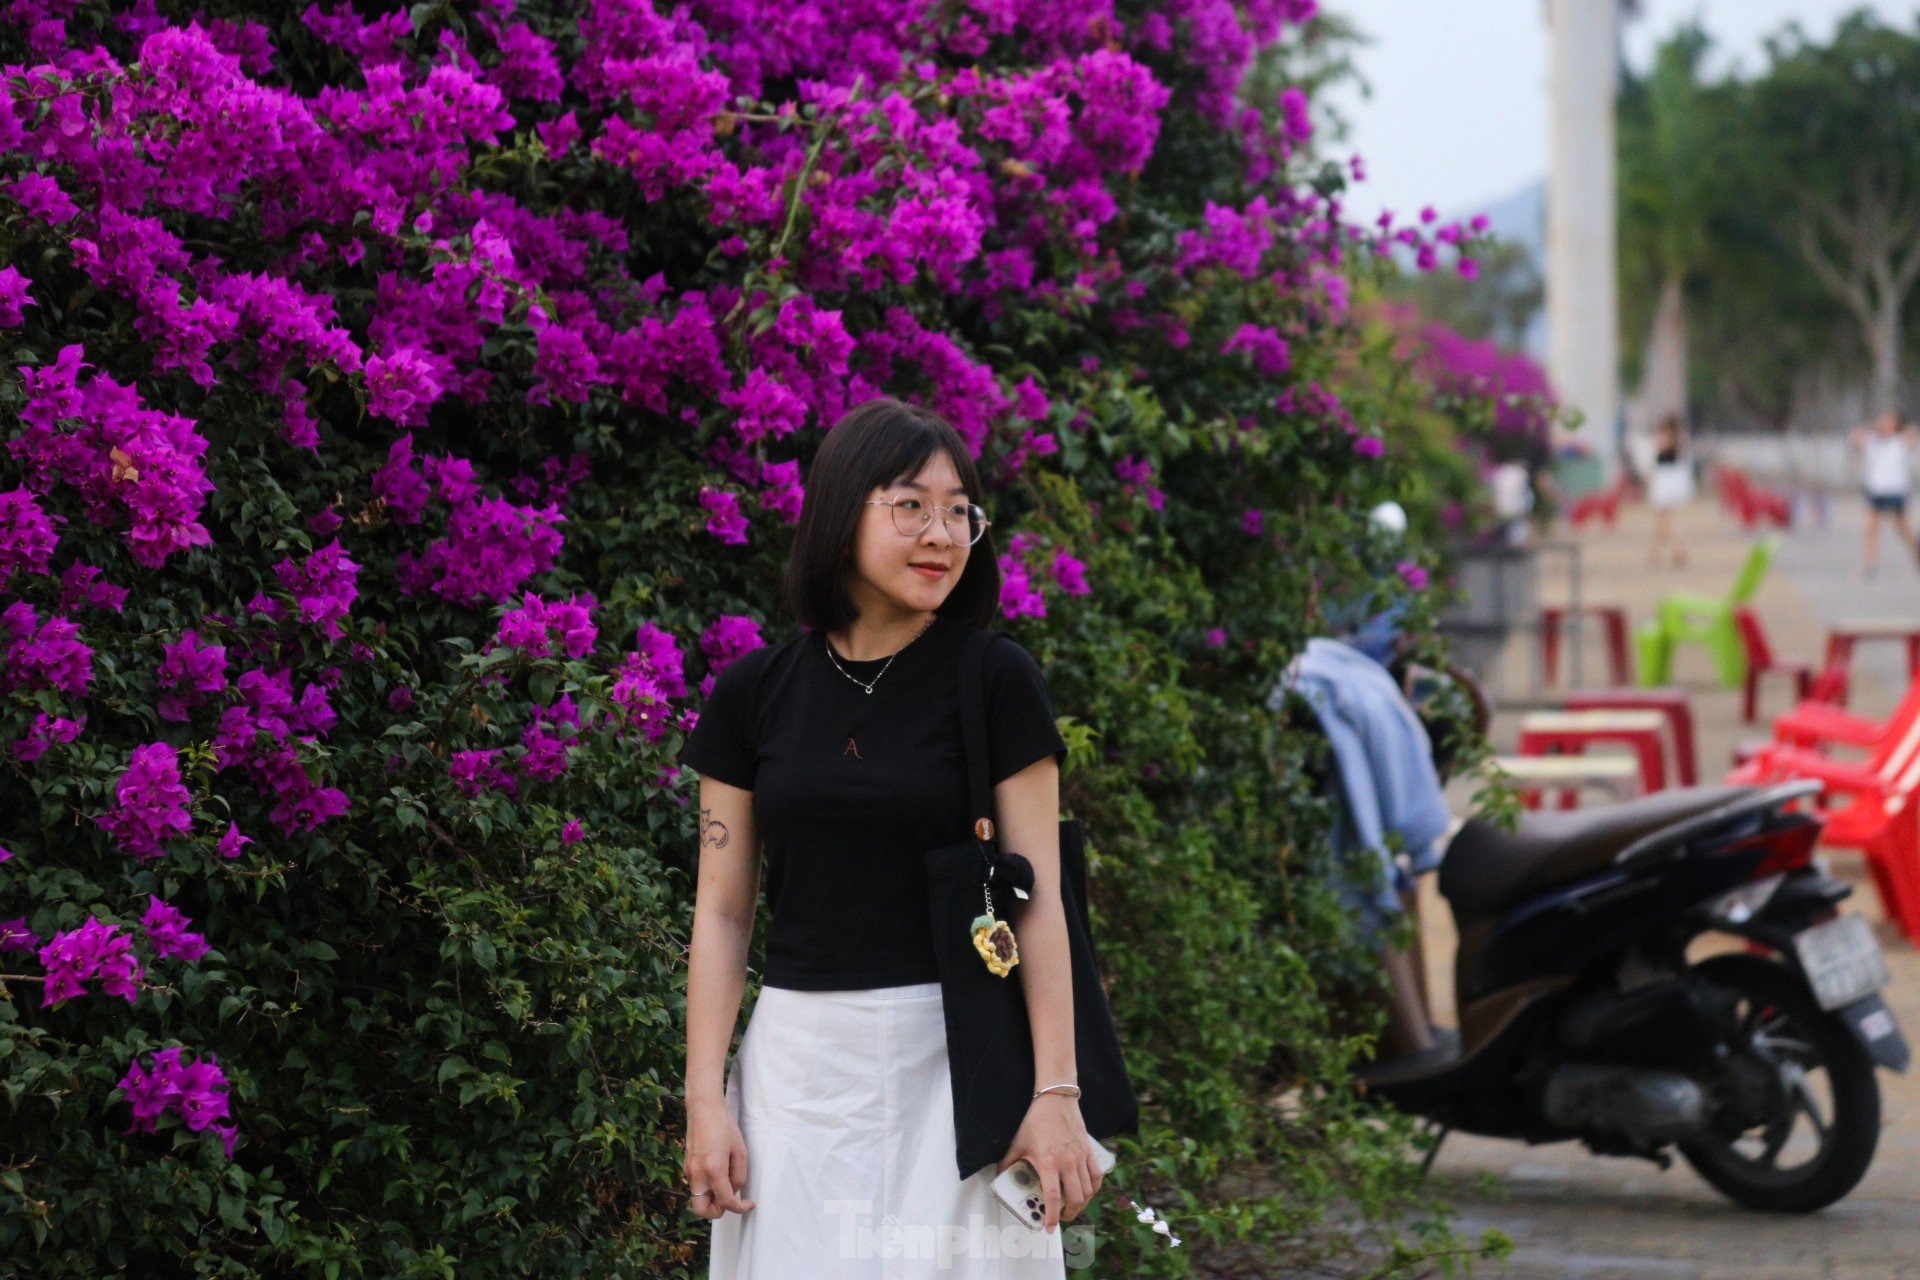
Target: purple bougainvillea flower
(150,804)
(96,951)
(190,672)
(730,635)
(661,657)
(1069,573)
(1296,119)
(46,731)
(476,771)
(637,693)
(43,655)
(1030,401)
(167,930)
(539,627)
(323,585)
(724,519)
(15,295)
(196,1092)
(1132,471)
(1018,597)
(1264,347)
(233,842)
(27,535)
(81,588)
(402,386)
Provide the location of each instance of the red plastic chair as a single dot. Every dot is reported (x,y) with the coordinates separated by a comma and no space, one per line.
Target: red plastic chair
(1819,720)
(1602,505)
(1880,822)
(1879,819)
(1732,488)
(1751,503)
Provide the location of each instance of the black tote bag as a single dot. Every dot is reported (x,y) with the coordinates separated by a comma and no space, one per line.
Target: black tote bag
(989,1038)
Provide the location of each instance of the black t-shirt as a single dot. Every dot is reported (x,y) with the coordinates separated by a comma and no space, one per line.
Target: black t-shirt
(849,788)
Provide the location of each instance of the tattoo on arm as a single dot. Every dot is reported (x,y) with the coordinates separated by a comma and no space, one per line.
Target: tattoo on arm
(712,831)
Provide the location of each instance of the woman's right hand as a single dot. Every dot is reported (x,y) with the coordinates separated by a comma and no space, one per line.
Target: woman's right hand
(716,1160)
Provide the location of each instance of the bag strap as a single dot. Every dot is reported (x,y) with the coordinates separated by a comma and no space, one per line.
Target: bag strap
(1009,874)
(973,734)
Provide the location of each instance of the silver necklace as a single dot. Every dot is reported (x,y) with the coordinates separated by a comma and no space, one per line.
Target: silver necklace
(868,685)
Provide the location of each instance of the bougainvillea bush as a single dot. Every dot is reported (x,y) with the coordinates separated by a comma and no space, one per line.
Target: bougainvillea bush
(1503,403)
(405,413)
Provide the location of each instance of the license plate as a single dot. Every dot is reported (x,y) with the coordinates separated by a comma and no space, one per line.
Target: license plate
(1843,961)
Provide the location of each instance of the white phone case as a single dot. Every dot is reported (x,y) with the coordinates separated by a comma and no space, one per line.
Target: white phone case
(1018,1186)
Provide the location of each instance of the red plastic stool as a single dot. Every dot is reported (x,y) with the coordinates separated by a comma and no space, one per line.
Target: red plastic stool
(1761,661)
(1846,634)
(1669,701)
(1569,732)
(1613,624)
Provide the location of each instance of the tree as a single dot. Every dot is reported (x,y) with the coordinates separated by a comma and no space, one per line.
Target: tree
(1843,120)
(1671,127)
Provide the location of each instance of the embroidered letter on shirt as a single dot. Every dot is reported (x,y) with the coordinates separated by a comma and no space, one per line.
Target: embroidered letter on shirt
(853,749)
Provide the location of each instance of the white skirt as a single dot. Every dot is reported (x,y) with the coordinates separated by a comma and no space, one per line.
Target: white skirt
(846,1105)
(1671,485)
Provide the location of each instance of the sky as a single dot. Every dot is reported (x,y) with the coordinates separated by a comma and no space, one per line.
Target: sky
(1457,116)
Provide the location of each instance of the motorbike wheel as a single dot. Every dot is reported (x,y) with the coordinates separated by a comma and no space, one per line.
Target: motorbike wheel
(1790,1048)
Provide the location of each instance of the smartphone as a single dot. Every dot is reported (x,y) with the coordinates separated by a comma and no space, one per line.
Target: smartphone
(1018,1186)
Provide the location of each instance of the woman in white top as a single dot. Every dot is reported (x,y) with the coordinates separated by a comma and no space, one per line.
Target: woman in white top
(1886,476)
(1670,486)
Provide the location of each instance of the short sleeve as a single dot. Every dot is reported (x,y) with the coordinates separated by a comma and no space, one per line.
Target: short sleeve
(1020,727)
(722,743)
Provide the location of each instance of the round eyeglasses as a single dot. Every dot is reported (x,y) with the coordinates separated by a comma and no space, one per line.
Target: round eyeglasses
(965,521)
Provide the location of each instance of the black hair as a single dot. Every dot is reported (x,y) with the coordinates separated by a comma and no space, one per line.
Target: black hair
(881,443)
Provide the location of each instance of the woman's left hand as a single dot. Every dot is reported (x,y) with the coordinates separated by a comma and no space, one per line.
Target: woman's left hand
(1054,1139)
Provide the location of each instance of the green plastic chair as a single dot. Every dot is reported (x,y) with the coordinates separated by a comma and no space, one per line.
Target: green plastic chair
(1685,616)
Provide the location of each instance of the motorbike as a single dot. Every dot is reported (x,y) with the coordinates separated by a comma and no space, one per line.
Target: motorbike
(1596,1004)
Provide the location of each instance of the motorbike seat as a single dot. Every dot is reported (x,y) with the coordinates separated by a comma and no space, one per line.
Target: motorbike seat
(1487,870)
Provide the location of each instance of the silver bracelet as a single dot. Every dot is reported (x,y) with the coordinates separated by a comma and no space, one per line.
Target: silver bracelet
(1063,1087)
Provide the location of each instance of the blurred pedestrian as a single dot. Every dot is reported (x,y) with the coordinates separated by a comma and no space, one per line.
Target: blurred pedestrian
(1513,500)
(1886,476)
(1670,486)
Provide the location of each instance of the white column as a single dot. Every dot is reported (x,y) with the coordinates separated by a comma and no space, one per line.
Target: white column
(1582,291)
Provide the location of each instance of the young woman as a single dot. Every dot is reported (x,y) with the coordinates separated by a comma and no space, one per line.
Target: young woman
(838,754)
(1671,486)
(1886,450)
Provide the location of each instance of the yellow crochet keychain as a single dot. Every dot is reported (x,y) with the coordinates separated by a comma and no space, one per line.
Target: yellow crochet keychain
(995,942)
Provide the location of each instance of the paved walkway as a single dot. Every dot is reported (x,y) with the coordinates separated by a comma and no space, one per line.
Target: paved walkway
(1572,1214)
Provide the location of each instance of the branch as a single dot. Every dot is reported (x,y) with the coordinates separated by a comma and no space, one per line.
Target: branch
(1906,264)
(1850,291)
(800,182)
